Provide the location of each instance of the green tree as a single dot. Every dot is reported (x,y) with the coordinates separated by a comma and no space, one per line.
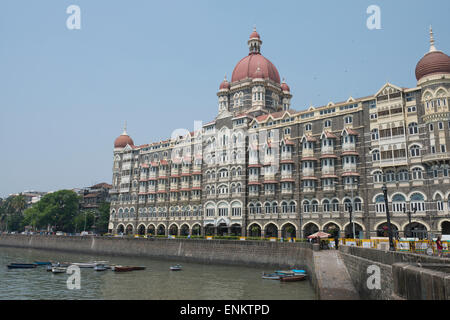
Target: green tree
(84,220)
(57,209)
(102,220)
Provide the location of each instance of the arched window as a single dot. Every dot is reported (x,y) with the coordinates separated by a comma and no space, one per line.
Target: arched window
(417,174)
(378,177)
(412,128)
(267,208)
(418,201)
(315,206)
(374,134)
(284,207)
(439,203)
(414,151)
(357,204)
(403,175)
(251,208)
(376,155)
(293,207)
(326,205)
(398,202)
(390,176)
(335,205)
(306,206)
(380,206)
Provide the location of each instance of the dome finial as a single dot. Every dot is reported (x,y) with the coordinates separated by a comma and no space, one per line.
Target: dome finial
(125,129)
(432,47)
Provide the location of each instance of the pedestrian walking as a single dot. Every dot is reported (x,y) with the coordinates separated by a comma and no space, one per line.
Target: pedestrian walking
(439,246)
(336,242)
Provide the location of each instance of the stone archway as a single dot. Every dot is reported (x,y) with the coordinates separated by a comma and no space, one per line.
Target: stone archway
(129,229)
(309,229)
(254,230)
(121,229)
(271,230)
(382,230)
(196,230)
(236,230)
(173,230)
(445,227)
(151,230)
(184,230)
(288,231)
(349,230)
(222,229)
(416,230)
(209,230)
(161,230)
(141,230)
(332,228)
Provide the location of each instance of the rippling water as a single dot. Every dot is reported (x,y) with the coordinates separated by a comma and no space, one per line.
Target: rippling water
(195,282)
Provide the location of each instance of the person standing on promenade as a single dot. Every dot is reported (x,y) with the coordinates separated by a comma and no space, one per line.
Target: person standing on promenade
(439,246)
(336,241)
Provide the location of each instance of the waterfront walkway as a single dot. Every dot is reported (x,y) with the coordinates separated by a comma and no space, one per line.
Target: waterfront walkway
(333,279)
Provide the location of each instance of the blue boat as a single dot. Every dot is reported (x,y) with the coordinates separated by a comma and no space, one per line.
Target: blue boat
(298,271)
(42,263)
(21,265)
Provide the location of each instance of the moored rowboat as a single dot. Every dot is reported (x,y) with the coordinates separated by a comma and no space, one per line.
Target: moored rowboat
(21,265)
(126,268)
(59,269)
(299,277)
(176,268)
(271,276)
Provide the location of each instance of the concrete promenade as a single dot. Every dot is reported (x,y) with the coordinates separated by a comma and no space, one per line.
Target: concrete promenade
(333,279)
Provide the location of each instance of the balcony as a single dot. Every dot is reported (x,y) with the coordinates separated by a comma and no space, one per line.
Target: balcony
(286,191)
(309,189)
(308,172)
(286,174)
(328,170)
(307,153)
(123,190)
(285,156)
(349,167)
(436,156)
(162,174)
(253,178)
(327,150)
(329,188)
(126,166)
(349,187)
(348,147)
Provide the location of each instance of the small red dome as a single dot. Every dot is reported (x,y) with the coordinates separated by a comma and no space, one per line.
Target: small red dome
(247,68)
(123,140)
(433,62)
(254,34)
(224,85)
(285,87)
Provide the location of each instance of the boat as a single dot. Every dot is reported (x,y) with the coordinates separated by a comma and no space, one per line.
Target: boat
(298,271)
(271,276)
(298,277)
(176,268)
(285,272)
(42,263)
(84,264)
(100,267)
(59,269)
(21,265)
(126,268)
(49,268)
(61,264)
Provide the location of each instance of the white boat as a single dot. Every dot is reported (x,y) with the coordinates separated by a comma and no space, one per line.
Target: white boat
(176,268)
(59,269)
(100,267)
(84,264)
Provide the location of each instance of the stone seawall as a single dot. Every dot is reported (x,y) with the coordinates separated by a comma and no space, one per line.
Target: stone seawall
(357,260)
(249,253)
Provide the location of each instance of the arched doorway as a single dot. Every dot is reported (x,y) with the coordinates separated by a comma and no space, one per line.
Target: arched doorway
(173,230)
(196,230)
(332,228)
(222,229)
(141,230)
(129,229)
(445,227)
(309,229)
(349,230)
(383,230)
(288,231)
(416,230)
(161,230)
(254,230)
(184,231)
(271,231)
(151,230)
(209,229)
(120,229)
(236,230)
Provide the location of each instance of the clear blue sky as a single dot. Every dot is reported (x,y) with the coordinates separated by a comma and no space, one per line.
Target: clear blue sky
(65,94)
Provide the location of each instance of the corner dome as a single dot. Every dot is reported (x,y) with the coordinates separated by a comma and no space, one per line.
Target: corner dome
(123,140)
(434,62)
(225,85)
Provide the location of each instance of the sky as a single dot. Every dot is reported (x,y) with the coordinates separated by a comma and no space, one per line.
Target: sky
(66,93)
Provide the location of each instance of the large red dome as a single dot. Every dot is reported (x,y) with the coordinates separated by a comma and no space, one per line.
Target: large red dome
(248,66)
(122,141)
(433,62)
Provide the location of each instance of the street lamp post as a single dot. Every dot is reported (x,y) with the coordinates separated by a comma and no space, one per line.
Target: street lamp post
(391,242)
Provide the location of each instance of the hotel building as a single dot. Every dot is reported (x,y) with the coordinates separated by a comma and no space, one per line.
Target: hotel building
(262,169)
